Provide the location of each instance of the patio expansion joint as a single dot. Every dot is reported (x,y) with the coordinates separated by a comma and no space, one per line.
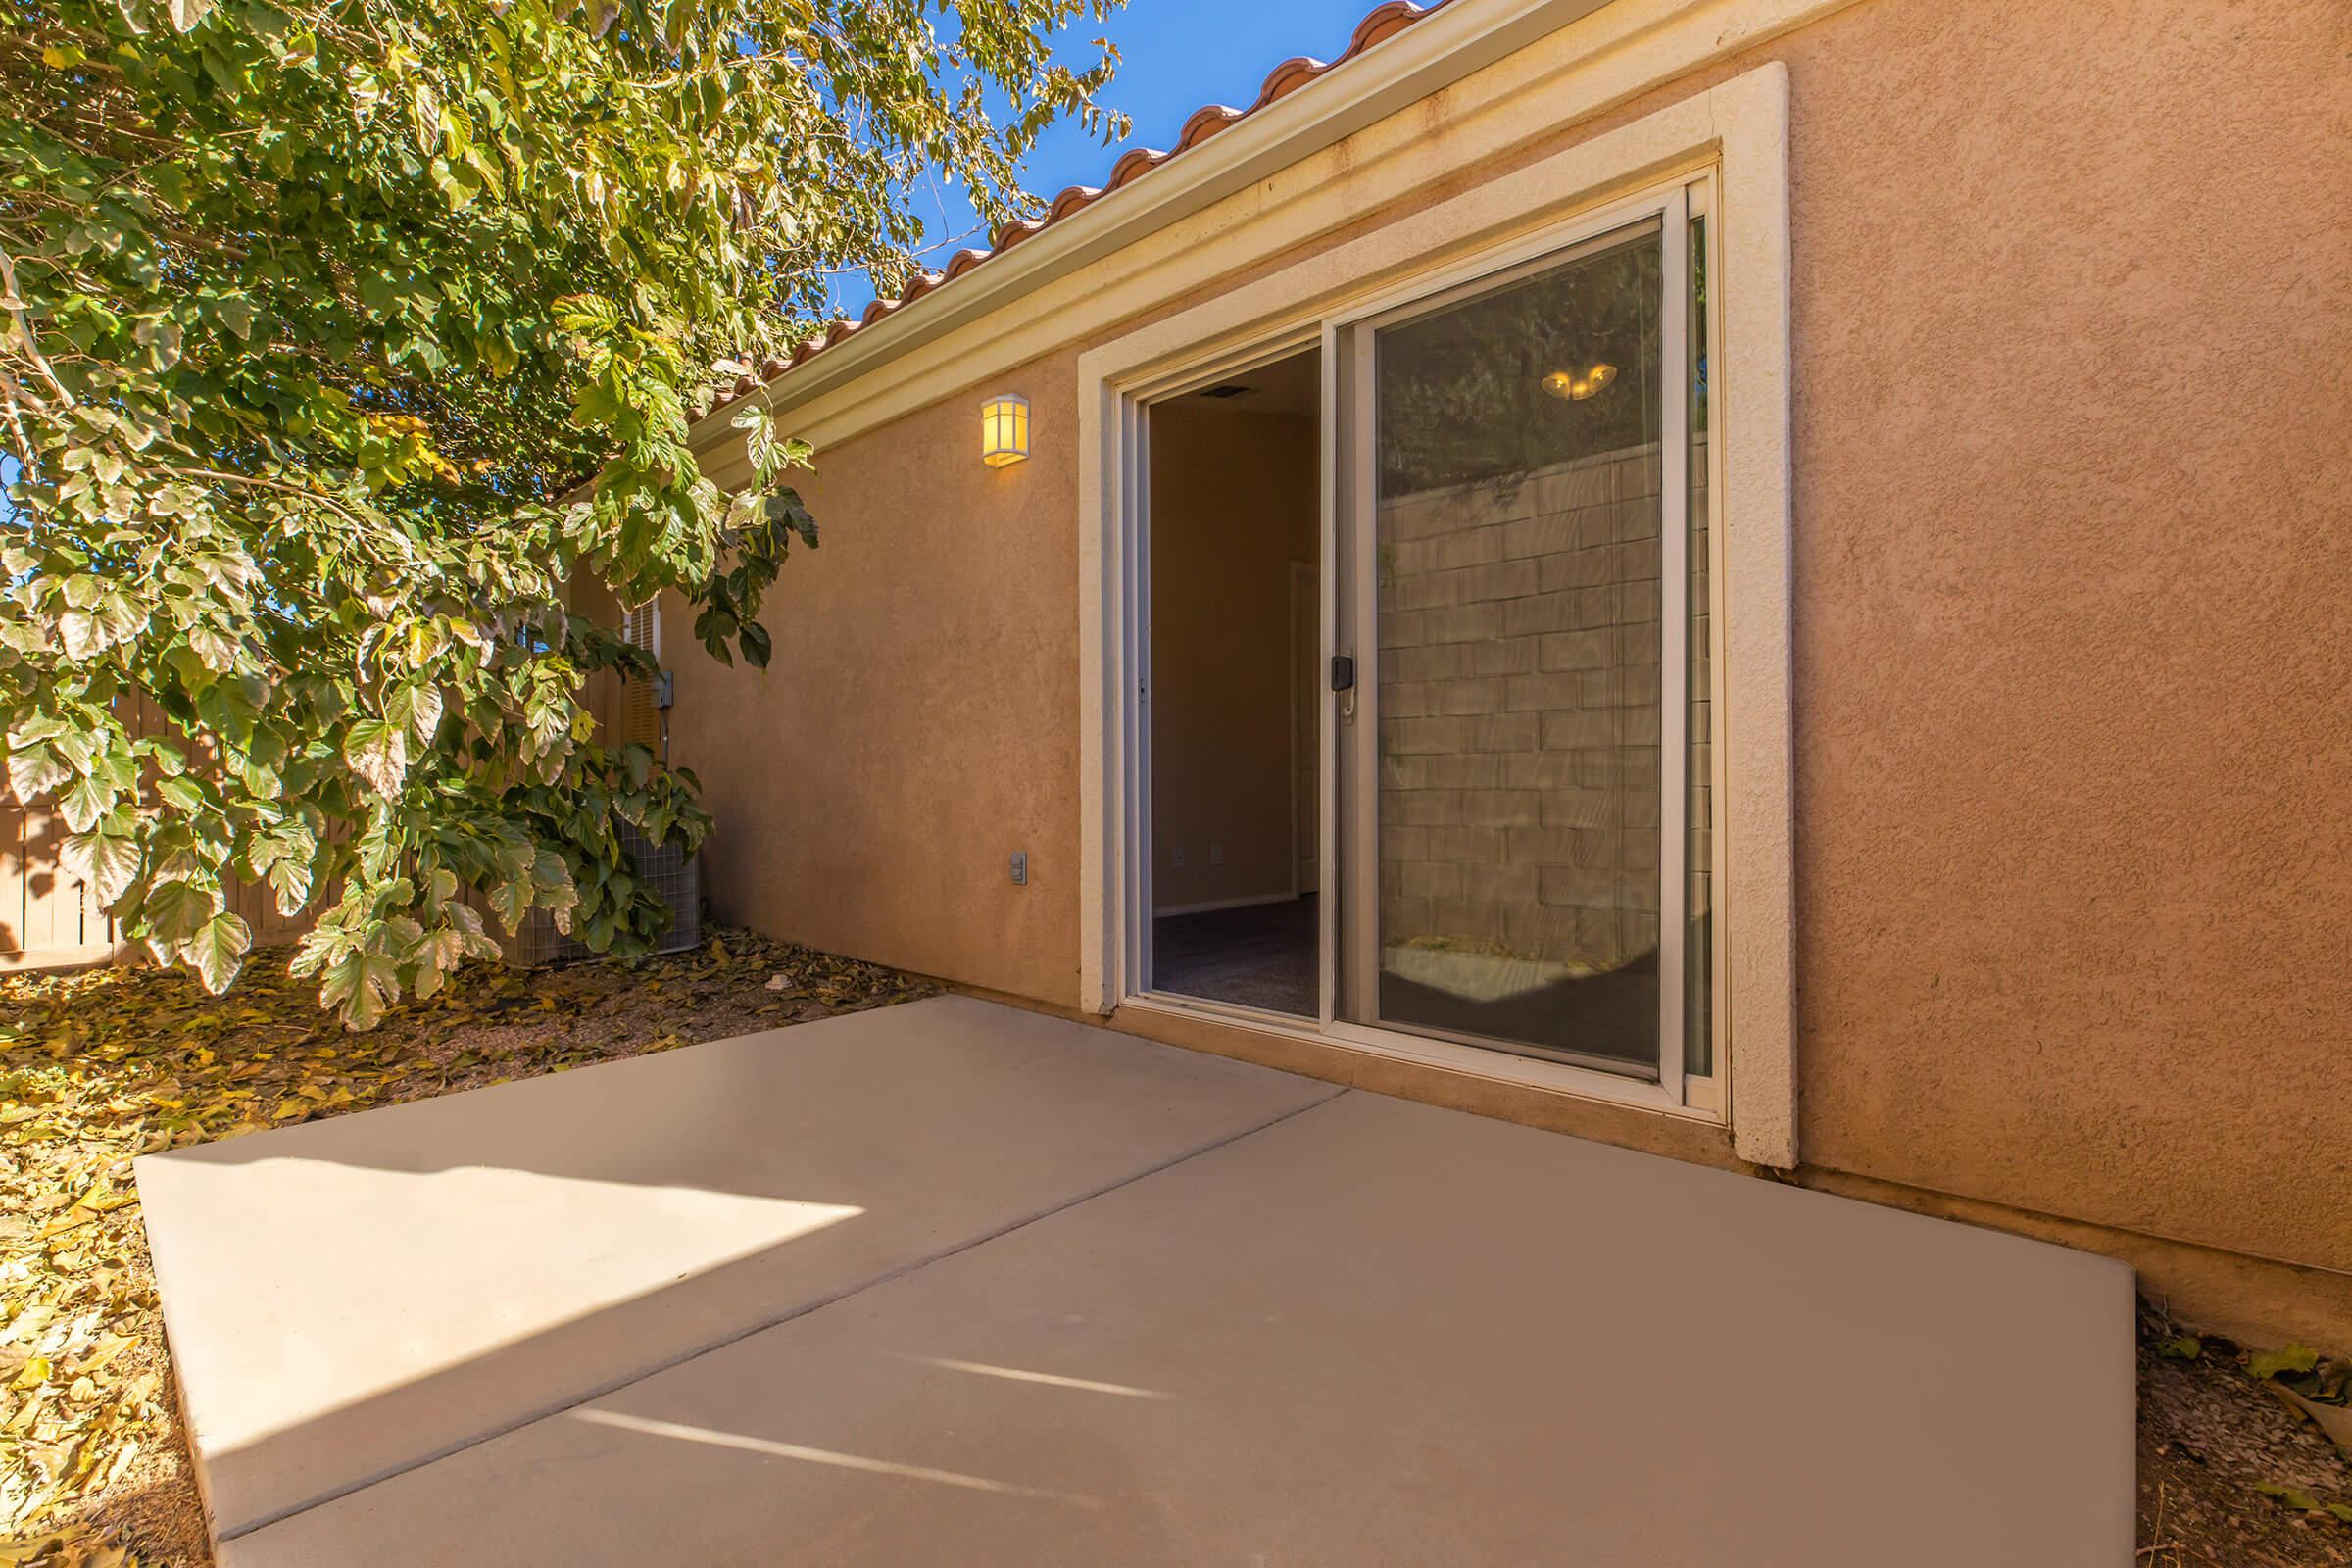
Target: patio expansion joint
(280,1515)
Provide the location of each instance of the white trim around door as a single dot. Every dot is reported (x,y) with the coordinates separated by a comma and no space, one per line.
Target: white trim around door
(1729,143)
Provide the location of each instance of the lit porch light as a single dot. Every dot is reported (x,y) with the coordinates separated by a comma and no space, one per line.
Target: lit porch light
(1003,429)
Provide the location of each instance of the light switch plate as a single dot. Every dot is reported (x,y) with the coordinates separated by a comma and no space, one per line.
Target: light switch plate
(1021,868)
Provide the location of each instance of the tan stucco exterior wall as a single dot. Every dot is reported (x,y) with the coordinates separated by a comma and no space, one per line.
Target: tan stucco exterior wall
(919,721)
(2074,733)
(1233,505)
(2071,314)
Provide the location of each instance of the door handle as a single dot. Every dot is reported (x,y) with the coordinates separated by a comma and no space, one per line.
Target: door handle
(1343,681)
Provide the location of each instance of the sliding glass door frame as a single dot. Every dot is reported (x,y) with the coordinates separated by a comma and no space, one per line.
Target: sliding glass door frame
(1347,937)
(1351,1008)
(1135,506)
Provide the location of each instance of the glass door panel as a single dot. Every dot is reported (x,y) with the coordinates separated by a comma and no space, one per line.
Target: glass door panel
(1514,829)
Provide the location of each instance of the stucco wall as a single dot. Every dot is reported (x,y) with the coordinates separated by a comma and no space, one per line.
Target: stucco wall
(2071,311)
(918,722)
(2074,741)
(1233,505)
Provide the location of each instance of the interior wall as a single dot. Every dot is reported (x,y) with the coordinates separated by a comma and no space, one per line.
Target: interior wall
(1235,500)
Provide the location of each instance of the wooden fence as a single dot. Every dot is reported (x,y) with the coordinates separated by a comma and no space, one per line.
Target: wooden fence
(48,919)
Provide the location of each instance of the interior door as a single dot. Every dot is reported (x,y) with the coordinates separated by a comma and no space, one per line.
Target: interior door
(1511,759)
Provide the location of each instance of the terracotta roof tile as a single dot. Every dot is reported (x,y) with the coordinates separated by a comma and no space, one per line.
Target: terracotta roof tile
(1383,22)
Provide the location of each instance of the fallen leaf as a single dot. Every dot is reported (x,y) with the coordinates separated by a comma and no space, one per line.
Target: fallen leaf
(2292,1496)
(2289,1359)
(2333,1419)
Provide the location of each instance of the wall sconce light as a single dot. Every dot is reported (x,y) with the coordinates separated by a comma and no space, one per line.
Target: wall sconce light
(1577,388)
(1003,429)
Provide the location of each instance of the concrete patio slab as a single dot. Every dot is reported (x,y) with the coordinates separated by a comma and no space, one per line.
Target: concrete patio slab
(1374,1333)
(349,1298)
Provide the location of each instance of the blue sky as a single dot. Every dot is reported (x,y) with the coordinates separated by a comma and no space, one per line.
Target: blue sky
(1176,55)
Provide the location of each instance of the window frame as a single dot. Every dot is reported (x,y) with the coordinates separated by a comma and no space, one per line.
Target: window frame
(1733,138)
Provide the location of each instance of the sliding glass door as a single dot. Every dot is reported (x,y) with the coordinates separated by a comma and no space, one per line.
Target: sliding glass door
(1520,759)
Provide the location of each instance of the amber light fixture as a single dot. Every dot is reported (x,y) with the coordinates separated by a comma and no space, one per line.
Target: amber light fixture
(1003,429)
(1575,387)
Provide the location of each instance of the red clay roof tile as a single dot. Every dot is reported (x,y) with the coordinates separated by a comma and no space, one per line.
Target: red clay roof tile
(1381,23)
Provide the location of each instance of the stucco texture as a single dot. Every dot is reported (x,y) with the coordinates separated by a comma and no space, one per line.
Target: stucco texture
(2071,556)
(2072,309)
(917,723)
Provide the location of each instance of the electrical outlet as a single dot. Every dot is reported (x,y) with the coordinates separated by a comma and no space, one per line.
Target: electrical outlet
(1216,855)
(1176,856)
(1021,868)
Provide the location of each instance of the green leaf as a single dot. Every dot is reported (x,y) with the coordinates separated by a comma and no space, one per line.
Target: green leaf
(378,752)
(218,950)
(172,912)
(213,648)
(416,709)
(184,794)
(107,862)
(81,636)
(36,772)
(2182,1348)
(41,726)
(90,799)
(235,312)
(290,880)
(342,299)
(358,987)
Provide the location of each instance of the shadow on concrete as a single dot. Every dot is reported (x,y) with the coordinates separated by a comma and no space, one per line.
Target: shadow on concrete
(349,1298)
(1373,1333)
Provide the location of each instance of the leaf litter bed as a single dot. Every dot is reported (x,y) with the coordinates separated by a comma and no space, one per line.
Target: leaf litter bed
(2236,1467)
(99,1066)
(105,1064)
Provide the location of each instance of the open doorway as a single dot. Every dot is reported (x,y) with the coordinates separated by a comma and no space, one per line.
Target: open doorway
(1235,703)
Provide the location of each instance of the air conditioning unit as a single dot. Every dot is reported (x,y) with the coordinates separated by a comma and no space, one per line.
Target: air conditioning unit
(672,873)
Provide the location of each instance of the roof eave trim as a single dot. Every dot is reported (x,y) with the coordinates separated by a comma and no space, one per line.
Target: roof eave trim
(1446,46)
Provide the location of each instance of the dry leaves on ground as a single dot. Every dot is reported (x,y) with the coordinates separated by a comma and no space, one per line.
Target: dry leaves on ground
(100,1067)
(2232,1474)
(103,1065)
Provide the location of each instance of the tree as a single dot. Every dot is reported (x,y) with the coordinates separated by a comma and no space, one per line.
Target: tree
(344,339)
